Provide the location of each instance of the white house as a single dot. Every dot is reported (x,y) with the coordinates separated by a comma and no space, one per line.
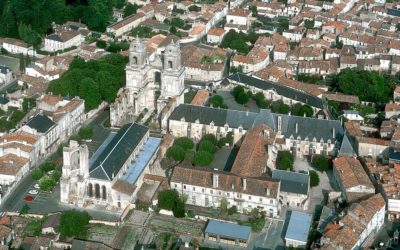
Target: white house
(12,168)
(126,24)
(16,46)
(61,40)
(215,35)
(238,16)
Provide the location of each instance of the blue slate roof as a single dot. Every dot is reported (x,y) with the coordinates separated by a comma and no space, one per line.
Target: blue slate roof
(299,226)
(41,123)
(117,151)
(346,148)
(229,230)
(292,182)
(307,127)
(136,168)
(280,89)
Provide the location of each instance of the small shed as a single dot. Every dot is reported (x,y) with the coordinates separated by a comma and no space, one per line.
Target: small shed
(298,229)
(227,233)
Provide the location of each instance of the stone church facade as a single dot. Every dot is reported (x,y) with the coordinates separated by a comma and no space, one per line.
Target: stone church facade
(151,83)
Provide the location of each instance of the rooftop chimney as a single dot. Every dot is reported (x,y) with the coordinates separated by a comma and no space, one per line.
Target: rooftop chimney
(297,127)
(244,183)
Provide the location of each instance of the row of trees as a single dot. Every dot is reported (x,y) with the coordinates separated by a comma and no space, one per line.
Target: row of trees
(93,81)
(30,20)
(183,149)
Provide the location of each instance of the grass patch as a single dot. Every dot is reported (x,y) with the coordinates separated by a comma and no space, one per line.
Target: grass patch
(33,228)
(190,95)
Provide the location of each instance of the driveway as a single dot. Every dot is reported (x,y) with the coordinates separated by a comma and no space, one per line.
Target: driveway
(316,193)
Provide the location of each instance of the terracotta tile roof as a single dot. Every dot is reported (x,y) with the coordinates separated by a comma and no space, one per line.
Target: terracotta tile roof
(371,140)
(241,58)
(51,99)
(123,187)
(351,172)
(392,107)
(200,98)
(197,29)
(16,42)
(10,164)
(4,231)
(19,136)
(239,12)
(203,177)
(252,157)
(216,32)
(353,128)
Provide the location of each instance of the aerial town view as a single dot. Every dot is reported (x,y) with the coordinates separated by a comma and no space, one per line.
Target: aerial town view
(199,124)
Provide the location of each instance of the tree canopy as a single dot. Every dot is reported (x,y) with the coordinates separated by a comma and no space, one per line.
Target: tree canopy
(93,81)
(280,107)
(30,20)
(314,178)
(321,163)
(238,41)
(74,224)
(241,95)
(370,86)
(284,160)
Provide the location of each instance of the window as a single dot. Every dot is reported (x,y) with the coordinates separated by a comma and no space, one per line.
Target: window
(211,192)
(249,198)
(184,186)
(271,201)
(202,190)
(261,200)
(194,189)
(176,185)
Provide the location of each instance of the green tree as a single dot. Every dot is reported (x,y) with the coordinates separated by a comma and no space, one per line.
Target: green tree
(194,8)
(314,178)
(223,205)
(85,132)
(189,156)
(209,137)
(217,101)
(167,199)
(234,70)
(321,163)
(253,10)
(280,107)
(284,160)
(184,142)
(24,209)
(370,86)
(229,137)
(48,166)
(46,183)
(98,14)
(309,24)
(177,22)
(130,9)
(37,173)
(21,63)
(232,210)
(74,224)
(176,153)
(56,175)
(207,146)
(179,209)
(29,35)
(203,158)
(89,91)
(101,44)
(172,30)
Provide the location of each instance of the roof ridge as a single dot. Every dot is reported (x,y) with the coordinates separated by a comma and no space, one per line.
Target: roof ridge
(116,144)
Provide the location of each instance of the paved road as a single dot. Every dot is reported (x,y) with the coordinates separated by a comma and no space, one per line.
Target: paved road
(15,201)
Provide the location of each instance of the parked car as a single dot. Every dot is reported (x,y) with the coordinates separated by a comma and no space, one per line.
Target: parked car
(33,191)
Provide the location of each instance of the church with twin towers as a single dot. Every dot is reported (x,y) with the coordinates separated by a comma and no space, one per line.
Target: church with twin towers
(154,82)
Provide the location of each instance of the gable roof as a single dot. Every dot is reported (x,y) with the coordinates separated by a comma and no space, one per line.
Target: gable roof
(279,88)
(227,229)
(117,152)
(292,182)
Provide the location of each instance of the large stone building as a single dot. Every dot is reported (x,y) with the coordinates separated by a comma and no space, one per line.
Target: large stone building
(151,83)
(301,135)
(113,175)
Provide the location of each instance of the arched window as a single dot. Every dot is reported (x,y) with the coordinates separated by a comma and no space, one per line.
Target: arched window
(104,192)
(134,60)
(90,190)
(97,191)
(170,64)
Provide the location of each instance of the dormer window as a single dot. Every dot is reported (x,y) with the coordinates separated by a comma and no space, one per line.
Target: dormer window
(212,125)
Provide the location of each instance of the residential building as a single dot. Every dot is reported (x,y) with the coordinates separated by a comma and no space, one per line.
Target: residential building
(12,169)
(352,179)
(207,187)
(362,221)
(238,17)
(126,24)
(215,35)
(16,46)
(61,40)
(21,144)
(294,189)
